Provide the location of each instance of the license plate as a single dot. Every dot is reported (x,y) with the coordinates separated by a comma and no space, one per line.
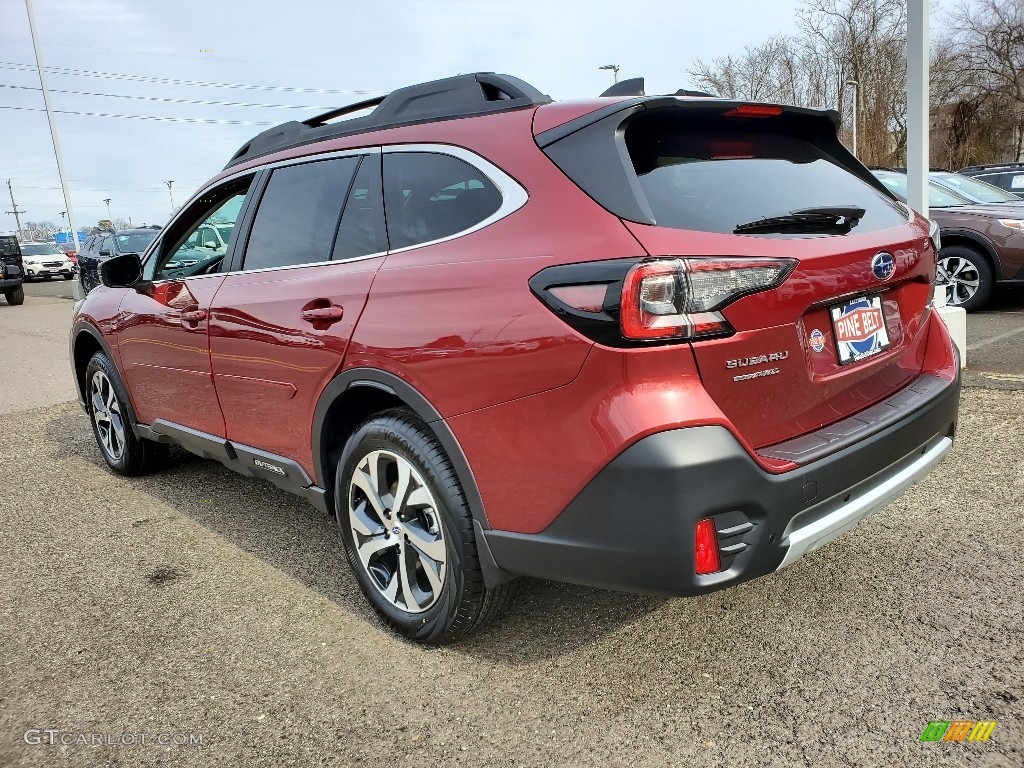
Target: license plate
(858,326)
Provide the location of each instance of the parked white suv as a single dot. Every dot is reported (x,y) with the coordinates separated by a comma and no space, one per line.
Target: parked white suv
(46,260)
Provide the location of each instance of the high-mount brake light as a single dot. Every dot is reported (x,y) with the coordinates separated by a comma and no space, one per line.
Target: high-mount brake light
(754,110)
(680,298)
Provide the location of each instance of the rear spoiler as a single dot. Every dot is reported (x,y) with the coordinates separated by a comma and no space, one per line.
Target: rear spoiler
(591,149)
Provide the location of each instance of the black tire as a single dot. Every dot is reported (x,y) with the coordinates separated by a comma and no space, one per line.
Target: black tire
(969,265)
(463,603)
(15,296)
(134,456)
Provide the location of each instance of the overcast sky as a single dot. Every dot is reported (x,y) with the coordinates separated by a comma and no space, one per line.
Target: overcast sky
(135,48)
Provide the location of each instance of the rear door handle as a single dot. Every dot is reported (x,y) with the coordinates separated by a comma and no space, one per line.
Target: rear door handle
(193,316)
(331,314)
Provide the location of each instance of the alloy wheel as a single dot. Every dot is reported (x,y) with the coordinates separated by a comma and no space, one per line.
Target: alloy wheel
(397,531)
(960,277)
(106,413)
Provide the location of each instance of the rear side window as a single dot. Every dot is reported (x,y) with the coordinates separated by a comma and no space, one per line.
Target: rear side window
(1013,182)
(362,224)
(716,175)
(298,214)
(431,196)
(8,246)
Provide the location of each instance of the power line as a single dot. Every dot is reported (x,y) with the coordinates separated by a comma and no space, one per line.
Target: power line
(176,55)
(172,101)
(153,118)
(173,81)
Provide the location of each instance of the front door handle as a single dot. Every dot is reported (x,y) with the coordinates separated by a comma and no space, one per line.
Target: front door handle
(191,318)
(324,315)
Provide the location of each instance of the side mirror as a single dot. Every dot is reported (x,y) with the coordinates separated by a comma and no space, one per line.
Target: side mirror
(121,271)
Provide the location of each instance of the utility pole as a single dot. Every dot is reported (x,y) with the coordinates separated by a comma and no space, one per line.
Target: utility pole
(53,125)
(14,208)
(171,193)
(109,217)
(614,70)
(62,215)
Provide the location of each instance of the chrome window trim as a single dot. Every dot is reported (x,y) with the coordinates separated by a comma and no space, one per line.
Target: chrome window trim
(254,171)
(513,195)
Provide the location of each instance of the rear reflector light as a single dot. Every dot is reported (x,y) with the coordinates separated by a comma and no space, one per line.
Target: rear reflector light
(585,298)
(680,298)
(754,110)
(706,548)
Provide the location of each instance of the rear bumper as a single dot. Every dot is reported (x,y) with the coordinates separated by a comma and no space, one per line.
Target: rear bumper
(632,527)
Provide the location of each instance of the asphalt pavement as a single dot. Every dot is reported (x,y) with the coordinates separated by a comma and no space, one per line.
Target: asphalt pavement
(194,617)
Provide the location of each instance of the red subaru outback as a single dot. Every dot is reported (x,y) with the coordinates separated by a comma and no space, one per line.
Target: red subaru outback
(654,343)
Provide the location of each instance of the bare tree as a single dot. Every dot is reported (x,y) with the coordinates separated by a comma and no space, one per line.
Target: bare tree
(839,41)
(40,231)
(989,107)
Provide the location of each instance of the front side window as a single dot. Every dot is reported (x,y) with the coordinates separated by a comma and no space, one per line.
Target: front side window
(430,196)
(179,255)
(298,214)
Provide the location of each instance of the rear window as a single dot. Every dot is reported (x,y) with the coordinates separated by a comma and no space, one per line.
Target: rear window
(711,176)
(134,243)
(8,246)
(937,196)
(973,188)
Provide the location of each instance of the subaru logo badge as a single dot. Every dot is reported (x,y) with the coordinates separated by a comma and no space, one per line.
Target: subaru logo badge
(883,265)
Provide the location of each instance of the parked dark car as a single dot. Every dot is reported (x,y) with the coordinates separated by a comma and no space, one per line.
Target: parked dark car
(663,344)
(104,245)
(12,270)
(1007,176)
(982,245)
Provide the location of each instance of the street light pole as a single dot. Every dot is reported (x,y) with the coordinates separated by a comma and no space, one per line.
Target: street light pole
(614,70)
(62,215)
(109,217)
(171,193)
(53,125)
(856,87)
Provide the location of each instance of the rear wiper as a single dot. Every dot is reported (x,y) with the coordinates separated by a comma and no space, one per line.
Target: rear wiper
(829,218)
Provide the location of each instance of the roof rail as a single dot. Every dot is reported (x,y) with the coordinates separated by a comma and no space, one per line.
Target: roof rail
(453,97)
(987,166)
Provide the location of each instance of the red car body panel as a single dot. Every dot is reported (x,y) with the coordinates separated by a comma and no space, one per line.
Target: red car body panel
(165,356)
(267,359)
(811,389)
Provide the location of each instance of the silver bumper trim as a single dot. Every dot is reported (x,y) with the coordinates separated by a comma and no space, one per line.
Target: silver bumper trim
(809,537)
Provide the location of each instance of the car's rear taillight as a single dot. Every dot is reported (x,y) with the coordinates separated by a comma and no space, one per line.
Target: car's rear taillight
(680,298)
(705,550)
